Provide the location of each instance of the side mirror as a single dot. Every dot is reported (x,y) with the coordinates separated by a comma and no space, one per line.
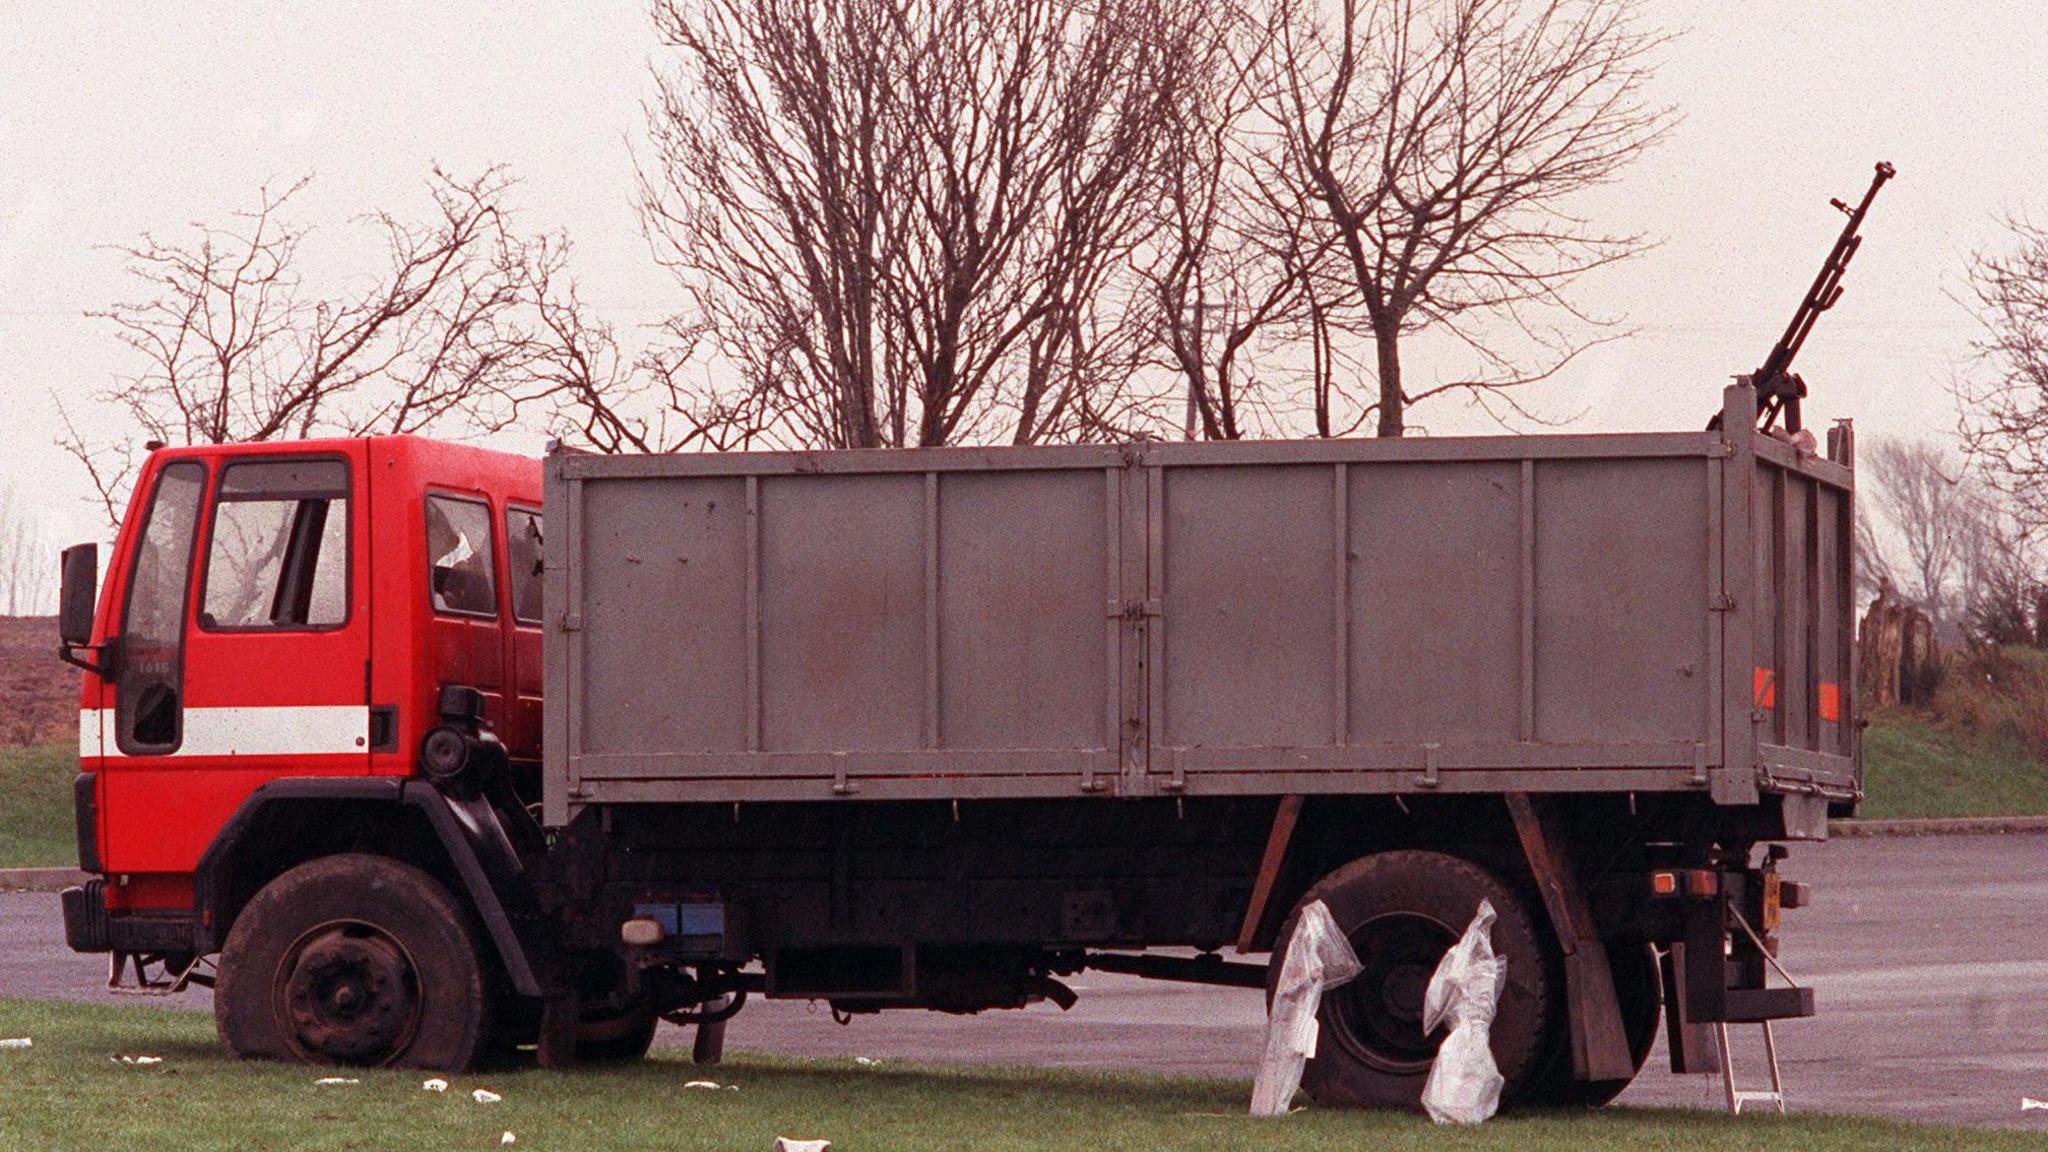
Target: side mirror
(79,592)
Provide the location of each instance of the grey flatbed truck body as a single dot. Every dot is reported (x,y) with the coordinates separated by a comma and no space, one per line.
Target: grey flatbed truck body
(1586,613)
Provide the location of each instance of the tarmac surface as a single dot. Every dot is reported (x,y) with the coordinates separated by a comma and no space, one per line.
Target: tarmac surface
(1929,957)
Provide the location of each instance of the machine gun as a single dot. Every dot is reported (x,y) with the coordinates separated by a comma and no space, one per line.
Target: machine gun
(1778,389)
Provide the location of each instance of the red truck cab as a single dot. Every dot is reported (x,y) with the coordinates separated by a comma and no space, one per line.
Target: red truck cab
(244,634)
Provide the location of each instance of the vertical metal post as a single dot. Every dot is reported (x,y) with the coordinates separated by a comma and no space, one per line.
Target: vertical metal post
(1340,598)
(931,610)
(1781,603)
(1717,660)
(1845,595)
(1809,692)
(1151,627)
(1526,723)
(753,690)
(1736,782)
(1113,734)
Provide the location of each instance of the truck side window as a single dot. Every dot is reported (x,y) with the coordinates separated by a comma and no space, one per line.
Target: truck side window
(149,681)
(459,556)
(522,550)
(278,553)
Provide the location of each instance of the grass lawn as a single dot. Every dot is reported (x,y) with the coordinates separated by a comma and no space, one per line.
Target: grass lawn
(1911,768)
(67,1092)
(35,806)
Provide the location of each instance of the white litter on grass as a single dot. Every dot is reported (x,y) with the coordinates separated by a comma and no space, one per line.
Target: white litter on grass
(435,1085)
(2028,1104)
(785,1144)
(867,1061)
(18,1042)
(507,1138)
(120,1059)
(710,1084)
(485,1096)
(337,1080)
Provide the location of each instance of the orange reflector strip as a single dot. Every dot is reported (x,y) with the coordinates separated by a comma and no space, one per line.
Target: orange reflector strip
(1701,882)
(1663,883)
(1830,702)
(1764,688)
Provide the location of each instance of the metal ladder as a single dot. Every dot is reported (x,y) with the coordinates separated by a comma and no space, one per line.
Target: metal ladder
(1775,1094)
(1738,1097)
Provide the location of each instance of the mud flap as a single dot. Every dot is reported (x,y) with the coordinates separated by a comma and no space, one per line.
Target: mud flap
(1691,1042)
(1599,1042)
(560,1013)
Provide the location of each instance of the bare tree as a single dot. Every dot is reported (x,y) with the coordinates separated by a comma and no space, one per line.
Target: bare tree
(898,221)
(1231,277)
(25,563)
(232,343)
(2004,401)
(1442,144)
(1921,523)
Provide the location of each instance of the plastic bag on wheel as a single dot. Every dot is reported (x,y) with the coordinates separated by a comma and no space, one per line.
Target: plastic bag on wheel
(1464,1083)
(1318,958)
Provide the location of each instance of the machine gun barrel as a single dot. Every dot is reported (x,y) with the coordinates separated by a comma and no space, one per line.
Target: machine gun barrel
(1778,390)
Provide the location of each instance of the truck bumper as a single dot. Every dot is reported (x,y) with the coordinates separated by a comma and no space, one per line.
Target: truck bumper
(89,927)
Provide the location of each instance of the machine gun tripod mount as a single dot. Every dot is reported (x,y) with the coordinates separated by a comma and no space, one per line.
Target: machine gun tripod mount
(1778,389)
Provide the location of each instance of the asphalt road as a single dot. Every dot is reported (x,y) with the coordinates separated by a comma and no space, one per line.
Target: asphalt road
(1929,957)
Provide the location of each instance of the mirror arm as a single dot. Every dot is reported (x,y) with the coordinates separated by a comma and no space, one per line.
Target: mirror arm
(68,653)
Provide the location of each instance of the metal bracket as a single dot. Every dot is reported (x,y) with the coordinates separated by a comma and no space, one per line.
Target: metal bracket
(1429,776)
(1721,603)
(841,786)
(1179,780)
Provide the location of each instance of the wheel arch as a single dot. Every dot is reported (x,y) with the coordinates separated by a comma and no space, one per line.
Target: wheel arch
(1333,831)
(290,821)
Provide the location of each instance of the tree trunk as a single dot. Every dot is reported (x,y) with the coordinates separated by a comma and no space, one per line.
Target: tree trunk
(1897,659)
(1919,658)
(1386,338)
(1877,652)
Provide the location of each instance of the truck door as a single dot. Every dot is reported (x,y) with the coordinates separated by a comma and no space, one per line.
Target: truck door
(260,672)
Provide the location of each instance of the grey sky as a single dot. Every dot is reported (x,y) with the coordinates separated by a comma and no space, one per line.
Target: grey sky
(128,118)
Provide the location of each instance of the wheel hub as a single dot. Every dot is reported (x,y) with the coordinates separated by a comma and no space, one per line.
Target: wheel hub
(351,996)
(1377,1017)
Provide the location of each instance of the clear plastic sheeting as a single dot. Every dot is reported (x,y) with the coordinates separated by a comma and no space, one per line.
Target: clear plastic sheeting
(1464,1083)
(1318,959)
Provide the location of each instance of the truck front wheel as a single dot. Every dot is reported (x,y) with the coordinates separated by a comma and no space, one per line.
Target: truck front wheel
(1402,911)
(354,959)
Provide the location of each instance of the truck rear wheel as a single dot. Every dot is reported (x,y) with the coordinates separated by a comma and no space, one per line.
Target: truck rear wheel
(1402,911)
(354,959)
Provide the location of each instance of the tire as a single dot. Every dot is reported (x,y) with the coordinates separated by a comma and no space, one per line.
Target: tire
(1402,911)
(708,1047)
(619,1040)
(354,959)
(1640,990)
